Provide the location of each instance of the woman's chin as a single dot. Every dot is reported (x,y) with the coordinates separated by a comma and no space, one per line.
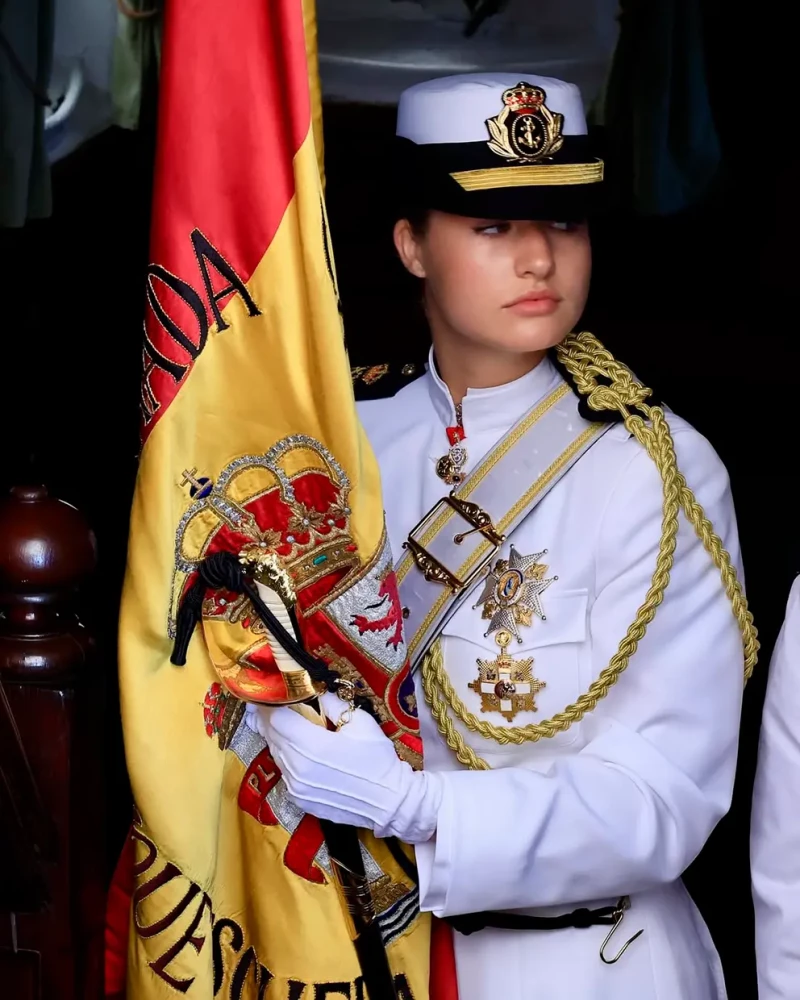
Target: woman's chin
(529,336)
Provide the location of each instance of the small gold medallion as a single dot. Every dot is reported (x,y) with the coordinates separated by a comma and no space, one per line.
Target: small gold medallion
(511,596)
(449,467)
(507,685)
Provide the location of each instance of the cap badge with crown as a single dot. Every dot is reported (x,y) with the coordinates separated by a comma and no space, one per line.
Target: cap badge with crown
(526,130)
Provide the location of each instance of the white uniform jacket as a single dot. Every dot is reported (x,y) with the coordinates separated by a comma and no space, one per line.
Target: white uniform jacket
(621,803)
(775,841)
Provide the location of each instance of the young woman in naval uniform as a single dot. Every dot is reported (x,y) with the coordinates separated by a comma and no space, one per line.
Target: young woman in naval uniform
(604,809)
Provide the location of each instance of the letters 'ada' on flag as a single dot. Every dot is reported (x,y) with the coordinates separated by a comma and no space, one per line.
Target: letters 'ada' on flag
(250,439)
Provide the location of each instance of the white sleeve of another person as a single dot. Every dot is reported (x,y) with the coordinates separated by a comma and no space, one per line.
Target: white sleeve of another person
(775,838)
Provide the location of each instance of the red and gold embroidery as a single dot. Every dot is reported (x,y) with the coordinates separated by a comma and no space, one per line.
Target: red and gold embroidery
(222,714)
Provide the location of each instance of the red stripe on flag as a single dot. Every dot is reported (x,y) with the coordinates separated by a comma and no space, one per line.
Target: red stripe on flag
(444,979)
(234,109)
(118,915)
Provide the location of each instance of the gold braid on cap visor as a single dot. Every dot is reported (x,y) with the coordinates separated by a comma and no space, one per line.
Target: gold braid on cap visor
(538,175)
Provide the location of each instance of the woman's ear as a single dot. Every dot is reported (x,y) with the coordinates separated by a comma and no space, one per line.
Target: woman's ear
(409,248)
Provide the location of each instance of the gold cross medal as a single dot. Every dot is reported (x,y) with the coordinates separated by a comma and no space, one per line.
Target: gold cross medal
(512,595)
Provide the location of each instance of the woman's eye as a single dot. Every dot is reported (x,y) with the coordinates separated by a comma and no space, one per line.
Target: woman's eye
(493,228)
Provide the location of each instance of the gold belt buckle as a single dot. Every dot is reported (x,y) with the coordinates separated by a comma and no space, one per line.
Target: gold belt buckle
(433,570)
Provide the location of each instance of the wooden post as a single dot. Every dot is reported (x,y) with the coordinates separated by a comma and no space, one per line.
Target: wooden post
(52,872)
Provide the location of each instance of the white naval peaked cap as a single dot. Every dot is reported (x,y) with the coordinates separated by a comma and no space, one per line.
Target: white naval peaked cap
(456,108)
(496,146)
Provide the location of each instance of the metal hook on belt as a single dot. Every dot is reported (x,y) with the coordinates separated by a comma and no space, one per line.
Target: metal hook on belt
(618,916)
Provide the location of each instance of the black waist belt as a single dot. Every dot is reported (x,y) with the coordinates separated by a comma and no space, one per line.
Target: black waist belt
(469,923)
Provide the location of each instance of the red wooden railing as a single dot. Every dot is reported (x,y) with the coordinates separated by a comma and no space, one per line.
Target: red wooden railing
(52,869)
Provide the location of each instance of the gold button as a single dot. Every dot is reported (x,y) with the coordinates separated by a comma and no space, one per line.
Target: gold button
(408,369)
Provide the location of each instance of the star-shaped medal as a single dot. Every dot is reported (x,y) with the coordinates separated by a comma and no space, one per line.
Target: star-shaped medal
(507,685)
(512,592)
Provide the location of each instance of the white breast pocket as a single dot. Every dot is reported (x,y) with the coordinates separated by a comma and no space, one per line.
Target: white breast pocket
(519,682)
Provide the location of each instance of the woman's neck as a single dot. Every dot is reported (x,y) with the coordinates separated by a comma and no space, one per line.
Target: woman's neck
(466,365)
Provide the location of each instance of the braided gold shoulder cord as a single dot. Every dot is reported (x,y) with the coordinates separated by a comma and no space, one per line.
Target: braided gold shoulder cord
(586,359)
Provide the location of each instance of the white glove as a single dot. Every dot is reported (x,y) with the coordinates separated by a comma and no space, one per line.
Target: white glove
(351,776)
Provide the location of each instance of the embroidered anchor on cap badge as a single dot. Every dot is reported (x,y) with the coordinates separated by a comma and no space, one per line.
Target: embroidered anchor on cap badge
(526,130)
(511,596)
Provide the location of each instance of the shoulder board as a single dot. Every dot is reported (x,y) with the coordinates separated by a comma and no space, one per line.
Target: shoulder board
(381,381)
(603,417)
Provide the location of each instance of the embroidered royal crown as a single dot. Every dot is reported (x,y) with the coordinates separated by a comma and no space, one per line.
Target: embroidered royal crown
(288,506)
(524,97)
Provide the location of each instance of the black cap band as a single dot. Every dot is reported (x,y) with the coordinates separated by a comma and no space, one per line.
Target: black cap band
(469,179)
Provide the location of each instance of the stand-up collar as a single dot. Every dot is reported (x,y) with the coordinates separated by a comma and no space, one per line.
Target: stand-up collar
(496,408)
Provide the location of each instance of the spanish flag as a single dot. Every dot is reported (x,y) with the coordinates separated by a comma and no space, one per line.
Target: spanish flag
(251,451)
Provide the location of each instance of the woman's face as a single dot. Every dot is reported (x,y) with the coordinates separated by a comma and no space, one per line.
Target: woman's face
(515,286)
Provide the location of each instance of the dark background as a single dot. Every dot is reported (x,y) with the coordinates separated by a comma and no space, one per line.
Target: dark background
(699,304)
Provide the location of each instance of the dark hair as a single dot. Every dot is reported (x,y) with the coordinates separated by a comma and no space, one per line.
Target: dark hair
(416,215)
(418,220)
